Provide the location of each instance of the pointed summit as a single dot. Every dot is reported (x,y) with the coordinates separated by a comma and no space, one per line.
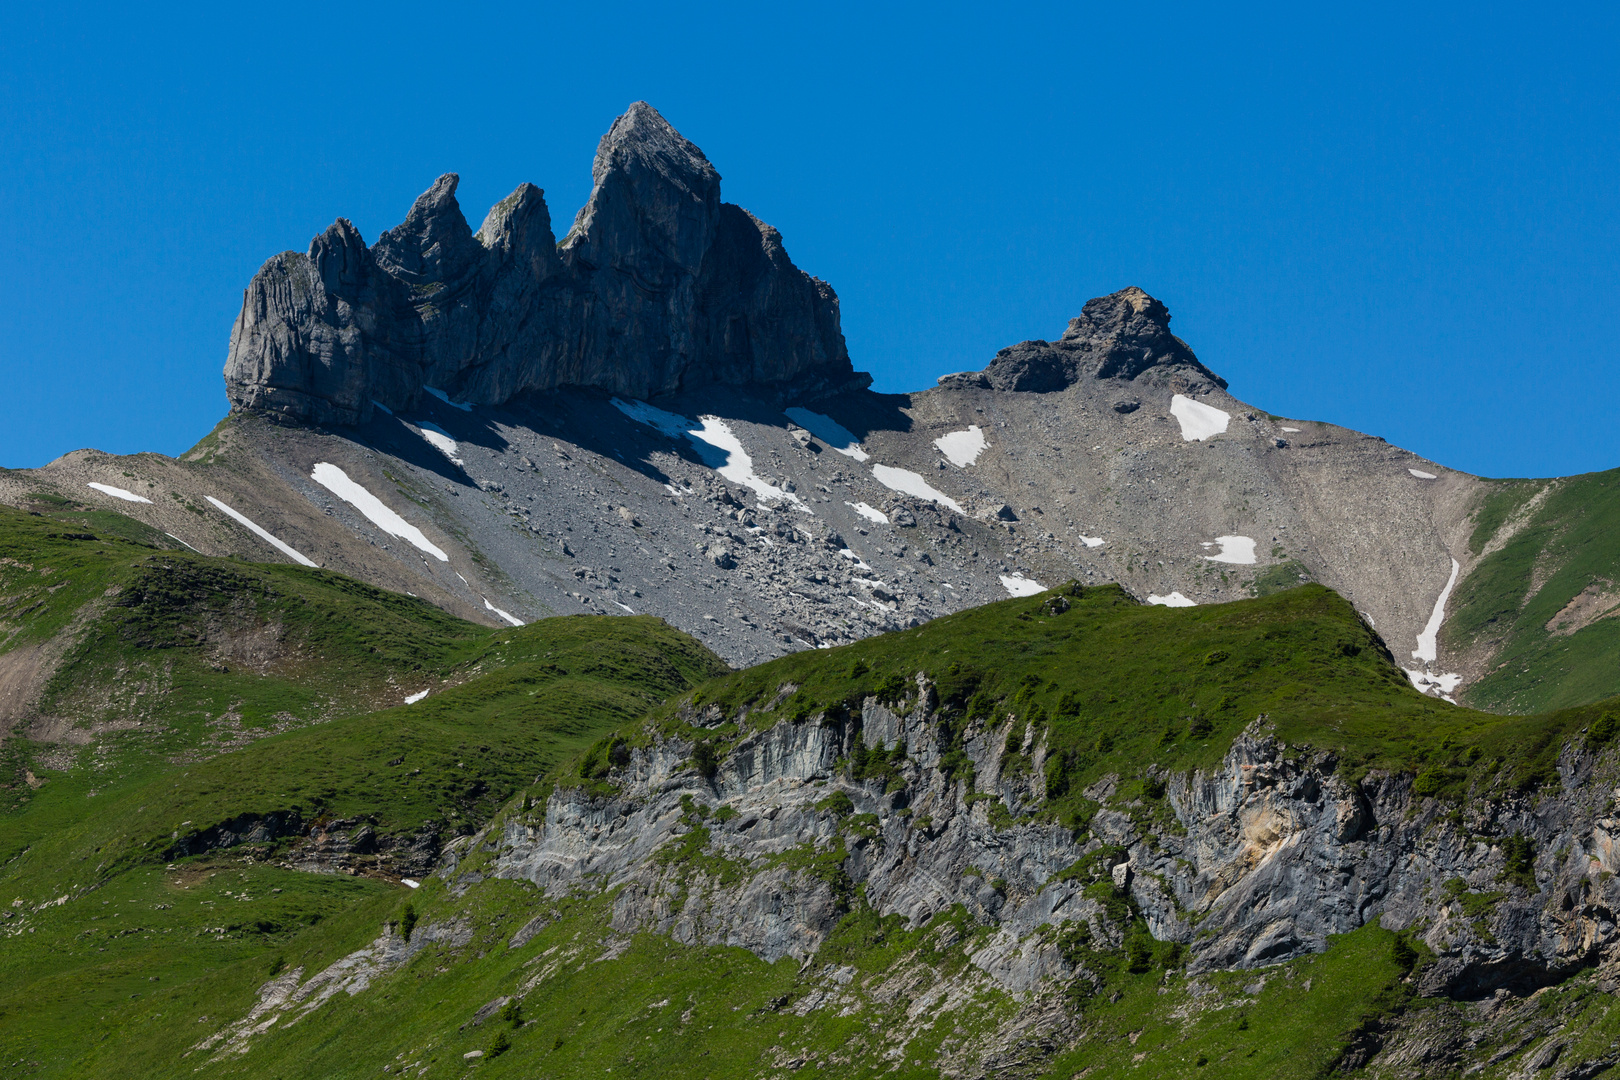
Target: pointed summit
(649,186)
(434,239)
(643,139)
(1118,336)
(659,286)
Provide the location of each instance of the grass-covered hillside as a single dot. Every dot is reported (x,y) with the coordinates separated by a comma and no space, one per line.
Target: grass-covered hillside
(166,705)
(1120,686)
(1542,605)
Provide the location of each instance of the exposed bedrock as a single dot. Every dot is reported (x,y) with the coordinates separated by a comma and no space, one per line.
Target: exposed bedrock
(1119,336)
(1251,863)
(658,287)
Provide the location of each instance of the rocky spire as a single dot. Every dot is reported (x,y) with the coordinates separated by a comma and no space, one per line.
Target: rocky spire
(658,286)
(1119,336)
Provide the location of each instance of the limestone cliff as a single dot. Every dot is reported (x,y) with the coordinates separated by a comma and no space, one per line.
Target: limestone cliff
(659,286)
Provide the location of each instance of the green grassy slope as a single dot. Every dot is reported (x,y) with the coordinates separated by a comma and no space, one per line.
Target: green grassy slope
(144,674)
(1122,686)
(1566,546)
(144,957)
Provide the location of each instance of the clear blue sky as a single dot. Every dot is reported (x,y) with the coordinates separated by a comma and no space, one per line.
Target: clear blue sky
(1404,219)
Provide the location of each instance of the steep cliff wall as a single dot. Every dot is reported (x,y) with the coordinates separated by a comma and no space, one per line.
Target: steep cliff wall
(1252,863)
(659,286)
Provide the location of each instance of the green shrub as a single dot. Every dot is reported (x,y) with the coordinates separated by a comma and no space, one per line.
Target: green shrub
(500,1044)
(1519,862)
(407,921)
(839,804)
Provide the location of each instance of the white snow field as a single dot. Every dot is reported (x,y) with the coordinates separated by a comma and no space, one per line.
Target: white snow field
(1238,550)
(733,462)
(262,534)
(1292,430)
(1421,475)
(869,513)
(1175,599)
(439,439)
(909,483)
(1019,585)
(117,492)
(1093,541)
(412,699)
(337,481)
(962,448)
(386,410)
(1439,685)
(509,618)
(1428,648)
(1198,421)
(715,443)
(672,424)
(444,397)
(829,431)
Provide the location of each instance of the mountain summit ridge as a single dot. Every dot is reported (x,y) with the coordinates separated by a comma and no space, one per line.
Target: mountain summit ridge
(659,286)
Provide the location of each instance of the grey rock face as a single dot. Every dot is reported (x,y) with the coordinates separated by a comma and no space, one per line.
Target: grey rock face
(1273,853)
(1119,336)
(659,286)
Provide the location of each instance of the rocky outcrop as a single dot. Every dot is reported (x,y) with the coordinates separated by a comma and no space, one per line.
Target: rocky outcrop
(1120,336)
(1253,863)
(659,286)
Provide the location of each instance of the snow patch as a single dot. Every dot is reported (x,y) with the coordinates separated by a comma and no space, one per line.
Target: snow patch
(869,513)
(1238,550)
(444,397)
(1421,475)
(626,607)
(177,540)
(412,699)
(1175,599)
(1439,685)
(1018,585)
(735,464)
(1293,430)
(384,408)
(410,884)
(337,481)
(1428,648)
(671,424)
(262,534)
(715,443)
(1093,541)
(829,431)
(962,448)
(909,483)
(118,493)
(1198,421)
(852,557)
(502,614)
(440,440)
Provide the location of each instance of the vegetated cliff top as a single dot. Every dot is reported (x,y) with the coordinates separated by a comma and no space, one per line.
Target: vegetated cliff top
(1121,686)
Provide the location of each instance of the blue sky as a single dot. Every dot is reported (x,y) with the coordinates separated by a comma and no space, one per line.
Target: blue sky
(1404,219)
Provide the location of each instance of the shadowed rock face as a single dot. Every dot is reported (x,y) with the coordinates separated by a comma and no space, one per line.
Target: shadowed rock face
(1119,336)
(658,287)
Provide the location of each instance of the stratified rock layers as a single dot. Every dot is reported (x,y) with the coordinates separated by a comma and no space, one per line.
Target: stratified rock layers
(658,287)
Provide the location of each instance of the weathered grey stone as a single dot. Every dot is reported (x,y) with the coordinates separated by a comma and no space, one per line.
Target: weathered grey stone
(659,286)
(1119,336)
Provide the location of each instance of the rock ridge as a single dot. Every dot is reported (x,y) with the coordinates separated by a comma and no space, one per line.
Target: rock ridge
(1254,862)
(1120,336)
(658,287)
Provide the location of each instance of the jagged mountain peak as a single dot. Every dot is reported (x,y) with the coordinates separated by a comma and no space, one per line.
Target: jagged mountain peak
(659,287)
(435,233)
(1118,336)
(642,139)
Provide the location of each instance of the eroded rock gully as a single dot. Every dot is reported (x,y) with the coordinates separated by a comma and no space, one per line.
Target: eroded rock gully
(1251,863)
